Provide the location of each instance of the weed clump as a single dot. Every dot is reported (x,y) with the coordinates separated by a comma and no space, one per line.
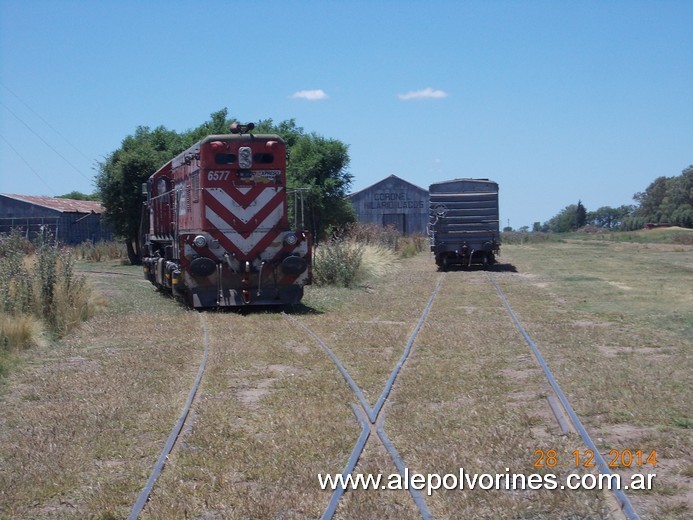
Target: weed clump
(337,263)
(39,291)
(100,251)
(361,253)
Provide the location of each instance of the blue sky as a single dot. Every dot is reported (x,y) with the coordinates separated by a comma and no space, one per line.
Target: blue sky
(557,101)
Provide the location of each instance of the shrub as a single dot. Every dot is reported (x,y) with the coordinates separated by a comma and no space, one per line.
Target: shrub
(388,237)
(337,262)
(100,251)
(376,261)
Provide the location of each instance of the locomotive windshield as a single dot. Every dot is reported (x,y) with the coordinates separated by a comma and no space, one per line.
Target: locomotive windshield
(225,158)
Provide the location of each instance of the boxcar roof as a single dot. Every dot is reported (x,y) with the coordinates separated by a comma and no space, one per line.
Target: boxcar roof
(464,180)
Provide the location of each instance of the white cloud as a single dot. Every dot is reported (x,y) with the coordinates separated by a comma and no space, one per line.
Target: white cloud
(310,95)
(426,93)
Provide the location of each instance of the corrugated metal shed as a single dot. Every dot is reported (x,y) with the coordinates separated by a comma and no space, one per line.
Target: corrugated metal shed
(61,205)
(70,221)
(395,202)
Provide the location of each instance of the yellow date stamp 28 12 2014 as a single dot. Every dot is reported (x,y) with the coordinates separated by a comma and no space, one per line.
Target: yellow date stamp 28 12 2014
(585,458)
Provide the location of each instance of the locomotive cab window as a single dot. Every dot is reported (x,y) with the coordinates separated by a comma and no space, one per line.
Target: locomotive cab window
(263,158)
(161,186)
(224,158)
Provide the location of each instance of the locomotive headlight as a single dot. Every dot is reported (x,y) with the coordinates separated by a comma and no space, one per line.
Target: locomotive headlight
(245,157)
(200,241)
(291,239)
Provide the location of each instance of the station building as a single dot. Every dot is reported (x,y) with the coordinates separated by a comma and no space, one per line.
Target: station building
(393,202)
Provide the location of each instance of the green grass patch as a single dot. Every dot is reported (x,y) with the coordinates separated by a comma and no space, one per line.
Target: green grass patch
(670,235)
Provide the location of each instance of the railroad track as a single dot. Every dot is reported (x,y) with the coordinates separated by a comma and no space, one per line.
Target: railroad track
(371,418)
(374,415)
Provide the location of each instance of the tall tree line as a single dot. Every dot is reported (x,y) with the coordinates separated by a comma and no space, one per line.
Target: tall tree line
(667,200)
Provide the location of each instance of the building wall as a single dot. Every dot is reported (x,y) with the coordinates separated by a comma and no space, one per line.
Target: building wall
(67,227)
(393,201)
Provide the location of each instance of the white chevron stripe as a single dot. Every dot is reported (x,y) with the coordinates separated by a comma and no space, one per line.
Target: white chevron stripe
(245,244)
(242,214)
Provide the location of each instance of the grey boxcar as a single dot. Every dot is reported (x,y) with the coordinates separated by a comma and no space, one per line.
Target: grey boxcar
(464,222)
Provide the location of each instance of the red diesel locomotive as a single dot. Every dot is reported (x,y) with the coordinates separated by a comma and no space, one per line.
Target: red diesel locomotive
(215,229)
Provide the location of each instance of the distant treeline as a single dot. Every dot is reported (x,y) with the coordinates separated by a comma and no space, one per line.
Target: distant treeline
(667,200)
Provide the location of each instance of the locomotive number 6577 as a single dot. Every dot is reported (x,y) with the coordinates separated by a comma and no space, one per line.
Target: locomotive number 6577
(215,230)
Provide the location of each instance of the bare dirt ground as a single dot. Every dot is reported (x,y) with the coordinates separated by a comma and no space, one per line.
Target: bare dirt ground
(84,420)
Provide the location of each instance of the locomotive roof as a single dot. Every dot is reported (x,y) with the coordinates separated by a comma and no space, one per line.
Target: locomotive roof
(237,137)
(228,137)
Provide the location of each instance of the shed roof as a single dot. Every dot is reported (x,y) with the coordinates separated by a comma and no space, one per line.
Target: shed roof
(58,204)
(392,176)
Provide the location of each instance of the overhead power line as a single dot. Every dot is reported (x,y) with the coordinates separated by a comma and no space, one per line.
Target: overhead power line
(53,192)
(45,142)
(44,121)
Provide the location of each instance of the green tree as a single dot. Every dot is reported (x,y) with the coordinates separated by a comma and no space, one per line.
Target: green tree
(218,124)
(580,215)
(121,174)
(667,200)
(320,165)
(569,218)
(78,195)
(565,221)
(609,218)
(650,201)
(678,199)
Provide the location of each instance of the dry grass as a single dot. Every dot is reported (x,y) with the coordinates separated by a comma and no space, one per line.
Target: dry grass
(615,323)
(473,398)
(85,419)
(271,415)
(22,332)
(39,291)
(377,261)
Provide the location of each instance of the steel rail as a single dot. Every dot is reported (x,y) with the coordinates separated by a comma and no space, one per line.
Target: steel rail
(625,504)
(403,359)
(418,497)
(175,433)
(374,414)
(342,370)
(351,463)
